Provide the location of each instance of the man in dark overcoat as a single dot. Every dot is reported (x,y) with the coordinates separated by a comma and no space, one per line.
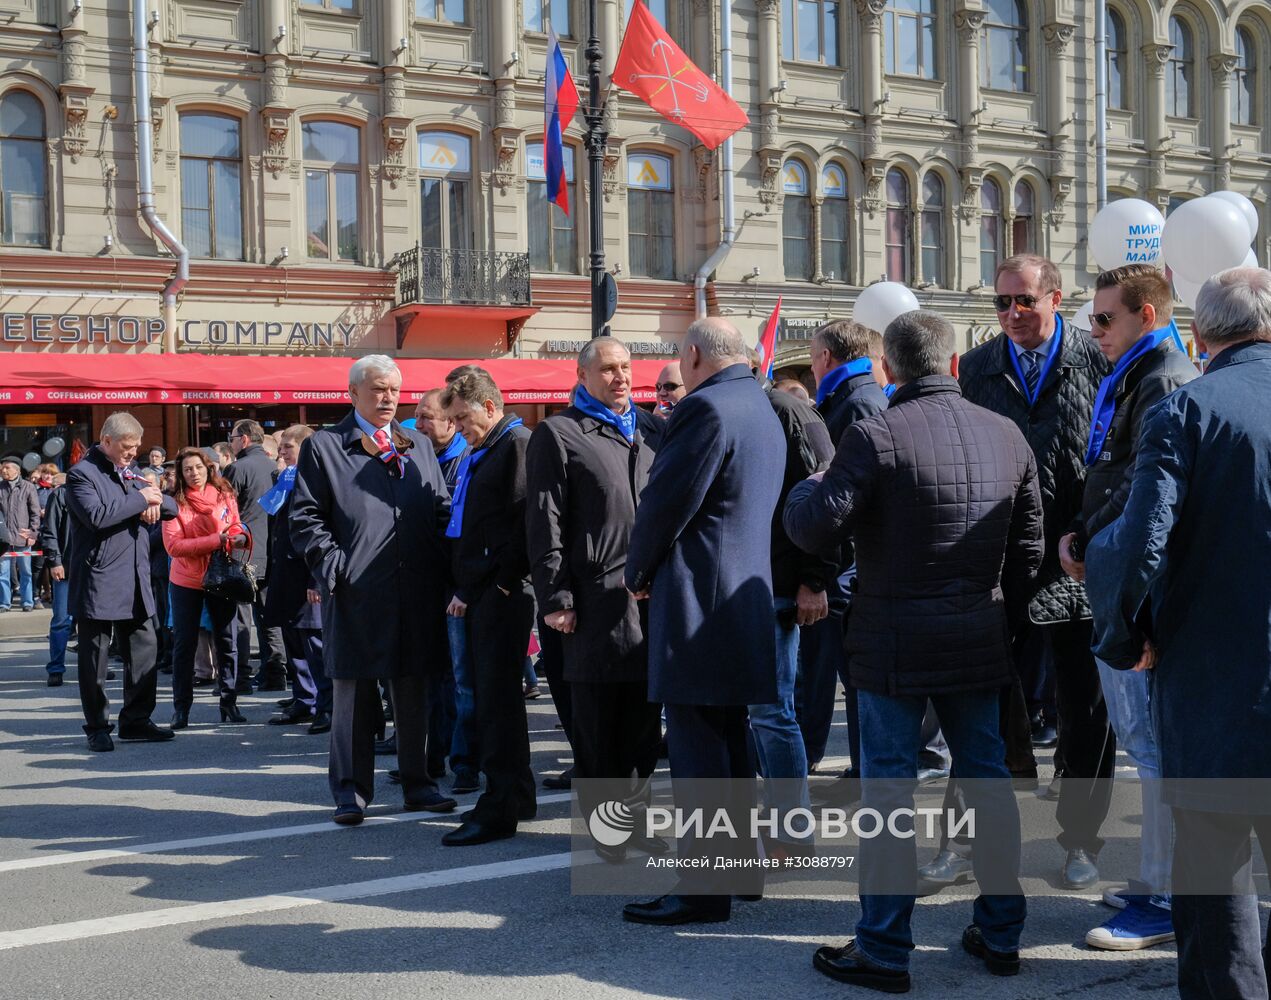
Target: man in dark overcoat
(701,550)
(490,570)
(1179,586)
(108,566)
(586,468)
(367,511)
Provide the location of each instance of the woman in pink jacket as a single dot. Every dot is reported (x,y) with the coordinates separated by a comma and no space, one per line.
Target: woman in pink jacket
(207,520)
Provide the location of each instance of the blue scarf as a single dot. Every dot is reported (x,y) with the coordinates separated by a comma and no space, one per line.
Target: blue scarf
(277,495)
(1105,403)
(624,423)
(465,476)
(889,389)
(453,450)
(834,379)
(1056,348)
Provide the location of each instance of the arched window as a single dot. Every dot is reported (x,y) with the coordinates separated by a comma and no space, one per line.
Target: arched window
(553,233)
(1181,71)
(990,230)
(23,184)
(539,14)
(1118,48)
(796,222)
(909,38)
(810,30)
(836,223)
(932,228)
(1244,81)
(898,251)
(333,159)
(1004,46)
(211,186)
(651,215)
(445,189)
(1024,223)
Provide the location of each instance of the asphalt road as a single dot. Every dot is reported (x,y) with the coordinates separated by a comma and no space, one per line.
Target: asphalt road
(207,867)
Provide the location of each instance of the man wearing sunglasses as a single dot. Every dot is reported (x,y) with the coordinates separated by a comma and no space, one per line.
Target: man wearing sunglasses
(670,388)
(1133,328)
(1044,376)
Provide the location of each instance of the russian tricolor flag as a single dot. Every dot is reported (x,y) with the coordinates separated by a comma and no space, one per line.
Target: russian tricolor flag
(560,100)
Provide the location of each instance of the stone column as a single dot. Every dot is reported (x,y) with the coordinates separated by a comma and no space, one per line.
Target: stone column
(1221,147)
(278,173)
(1156,136)
(1060,113)
(769,62)
(969,24)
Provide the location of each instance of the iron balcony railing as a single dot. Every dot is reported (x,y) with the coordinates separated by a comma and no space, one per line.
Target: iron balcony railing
(463,277)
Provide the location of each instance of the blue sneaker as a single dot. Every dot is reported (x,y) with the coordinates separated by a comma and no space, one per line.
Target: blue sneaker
(1139,925)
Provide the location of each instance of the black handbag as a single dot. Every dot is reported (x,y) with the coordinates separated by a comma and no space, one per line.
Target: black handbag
(229,579)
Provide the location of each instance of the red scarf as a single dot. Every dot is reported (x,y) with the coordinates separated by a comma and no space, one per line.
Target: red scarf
(209,504)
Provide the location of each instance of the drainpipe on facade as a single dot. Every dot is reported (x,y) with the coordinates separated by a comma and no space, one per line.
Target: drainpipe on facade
(145,174)
(725,167)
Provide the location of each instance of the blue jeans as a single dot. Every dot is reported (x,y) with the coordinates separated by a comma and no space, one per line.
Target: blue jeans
(59,629)
(1127,696)
(782,759)
(890,728)
(25,591)
(465,754)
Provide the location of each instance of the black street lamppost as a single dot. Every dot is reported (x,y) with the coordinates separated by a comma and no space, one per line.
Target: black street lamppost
(603,289)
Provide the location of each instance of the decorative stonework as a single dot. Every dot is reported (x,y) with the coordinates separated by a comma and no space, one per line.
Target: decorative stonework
(1155,57)
(1222,66)
(394,94)
(277,130)
(276,81)
(507,142)
(969,23)
(1060,189)
(871,13)
(702,160)
(395,136)
(1058,36)
(75,118)
(769,8)
(875,173)
(613,160)
(969,207)
(770,177)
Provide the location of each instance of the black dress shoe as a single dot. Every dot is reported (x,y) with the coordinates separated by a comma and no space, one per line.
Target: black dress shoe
(110,675)
(293,716)
(321,724)
(100,742)
(465,784)
(1000,963)
(180,719)
(560,782)
(347,816)
(394,777)
(847,965)
(286,702)
(842,792)
(434,803)
(472,833)
(385,748)
(668,910)
(55,680)
(1080,869)
(147,732)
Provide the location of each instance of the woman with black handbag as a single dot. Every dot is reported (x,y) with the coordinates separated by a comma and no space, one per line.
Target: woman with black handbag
(206,525)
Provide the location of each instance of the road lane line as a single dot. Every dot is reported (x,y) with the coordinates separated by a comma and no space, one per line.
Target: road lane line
(78,930)
(169,846)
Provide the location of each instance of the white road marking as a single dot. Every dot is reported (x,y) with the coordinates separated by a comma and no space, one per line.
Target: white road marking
(169,846)
(78,930)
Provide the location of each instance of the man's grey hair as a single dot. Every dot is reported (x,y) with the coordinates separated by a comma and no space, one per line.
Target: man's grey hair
(919,343)
(473,390)
(588,354)
(372,366)
(718,341)
(1234,305)
(121,425)
(249,429)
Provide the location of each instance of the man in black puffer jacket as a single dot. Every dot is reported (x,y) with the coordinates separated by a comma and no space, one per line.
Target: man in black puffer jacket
(941,499)
(1044,375)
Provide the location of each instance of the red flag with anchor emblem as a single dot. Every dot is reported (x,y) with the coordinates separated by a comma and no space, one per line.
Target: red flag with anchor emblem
(653,67)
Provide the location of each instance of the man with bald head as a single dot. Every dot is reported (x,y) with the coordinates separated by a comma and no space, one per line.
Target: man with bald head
(701,551)
(670,387)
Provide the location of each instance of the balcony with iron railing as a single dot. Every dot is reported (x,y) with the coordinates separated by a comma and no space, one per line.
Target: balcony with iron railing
(435,276)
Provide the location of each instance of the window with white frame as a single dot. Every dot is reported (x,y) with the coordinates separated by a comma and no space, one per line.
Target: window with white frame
(445,191)
(810,30)
(1244,80)
(454,11)
(909,38)
(651,215)
(553,233)
(23,182)
(1118,50)
(898,243)
(1180,71)
(340,6)
(931,228)
(539,15)
(332,164)
(211,186)
(990,230)
(1024,220)
(796,222)
(836,225)
(1004,46)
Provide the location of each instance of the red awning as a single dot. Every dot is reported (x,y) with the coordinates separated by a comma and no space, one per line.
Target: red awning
(177,379)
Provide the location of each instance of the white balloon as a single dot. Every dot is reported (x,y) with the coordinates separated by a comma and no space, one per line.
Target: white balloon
(1205,236)
(1251,259)
(881,303)
(1082,320)
(1245,205)
(1187,290)
(1127,231)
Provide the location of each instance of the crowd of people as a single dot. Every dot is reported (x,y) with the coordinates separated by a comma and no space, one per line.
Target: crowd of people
(935,532)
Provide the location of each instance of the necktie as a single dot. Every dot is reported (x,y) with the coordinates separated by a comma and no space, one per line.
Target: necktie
(388,454)
(1032,371)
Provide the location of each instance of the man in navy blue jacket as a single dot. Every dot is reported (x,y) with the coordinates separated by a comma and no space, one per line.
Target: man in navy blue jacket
(1179,586)
(109,571)
(701,551)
